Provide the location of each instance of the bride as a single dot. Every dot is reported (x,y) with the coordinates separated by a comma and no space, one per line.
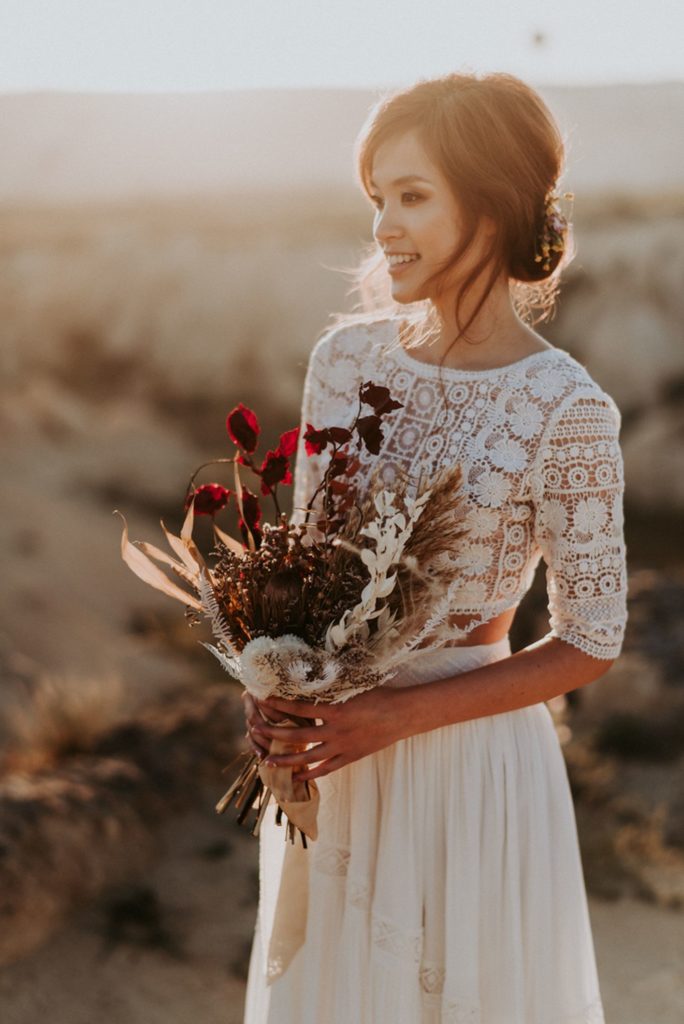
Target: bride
(446,884)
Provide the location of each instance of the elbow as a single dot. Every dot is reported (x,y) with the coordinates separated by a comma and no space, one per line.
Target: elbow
(591,662)
(600,665)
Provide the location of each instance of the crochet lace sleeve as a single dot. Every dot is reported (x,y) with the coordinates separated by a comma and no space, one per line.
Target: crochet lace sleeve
(578,489)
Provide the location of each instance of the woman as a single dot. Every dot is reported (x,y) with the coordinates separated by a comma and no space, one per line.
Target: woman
(446,883)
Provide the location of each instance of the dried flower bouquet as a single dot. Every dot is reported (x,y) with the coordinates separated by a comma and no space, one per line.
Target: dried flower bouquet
(321,609)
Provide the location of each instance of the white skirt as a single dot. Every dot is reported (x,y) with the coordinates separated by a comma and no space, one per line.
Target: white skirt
(445,886)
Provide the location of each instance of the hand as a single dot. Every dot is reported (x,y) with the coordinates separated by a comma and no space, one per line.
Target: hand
(259,742)
(360,726)
(253,720)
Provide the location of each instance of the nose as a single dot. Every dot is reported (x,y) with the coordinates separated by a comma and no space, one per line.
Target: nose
(385,226)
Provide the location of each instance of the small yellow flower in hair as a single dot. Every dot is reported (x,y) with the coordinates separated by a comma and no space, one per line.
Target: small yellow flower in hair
(552,238)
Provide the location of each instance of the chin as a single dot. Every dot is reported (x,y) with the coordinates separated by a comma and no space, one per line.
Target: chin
(404,296)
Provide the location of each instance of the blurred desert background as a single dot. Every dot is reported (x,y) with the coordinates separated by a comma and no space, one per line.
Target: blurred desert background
(163,257)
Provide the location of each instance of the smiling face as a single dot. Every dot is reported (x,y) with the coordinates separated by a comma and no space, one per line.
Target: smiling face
(418,222)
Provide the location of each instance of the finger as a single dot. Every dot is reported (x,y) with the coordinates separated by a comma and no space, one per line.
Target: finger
(324,768)
(254,746)
(293,733)
(249,707)
(259,745)
(271,716)
(307,709)
(300,757)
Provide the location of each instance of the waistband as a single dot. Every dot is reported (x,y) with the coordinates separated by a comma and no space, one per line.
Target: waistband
(427,666)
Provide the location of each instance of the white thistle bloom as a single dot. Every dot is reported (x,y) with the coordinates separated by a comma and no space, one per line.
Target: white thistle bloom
(262,658)
(323,680)
(297,671)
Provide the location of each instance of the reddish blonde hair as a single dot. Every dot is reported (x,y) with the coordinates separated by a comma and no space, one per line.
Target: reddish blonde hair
(497,144)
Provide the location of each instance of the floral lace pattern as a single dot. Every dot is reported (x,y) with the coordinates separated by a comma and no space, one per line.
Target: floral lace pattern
(543,472)
(432,977)
(406,946)
(397,942)
(331,860)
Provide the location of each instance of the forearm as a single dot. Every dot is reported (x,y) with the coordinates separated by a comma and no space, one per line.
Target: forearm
(537,673)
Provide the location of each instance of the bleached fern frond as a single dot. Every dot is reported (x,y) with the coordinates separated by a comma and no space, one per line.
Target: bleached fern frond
(390,530)
(231,665)
(213,612)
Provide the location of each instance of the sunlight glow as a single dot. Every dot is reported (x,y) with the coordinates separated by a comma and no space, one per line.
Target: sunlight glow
(188,45)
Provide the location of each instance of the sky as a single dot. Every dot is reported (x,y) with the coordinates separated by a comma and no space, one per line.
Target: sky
(198,45)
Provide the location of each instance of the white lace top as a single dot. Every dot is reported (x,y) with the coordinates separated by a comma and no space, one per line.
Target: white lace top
(537,441)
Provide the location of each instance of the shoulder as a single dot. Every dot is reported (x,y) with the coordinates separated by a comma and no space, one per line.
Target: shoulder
(340,360)
(572,391)
(350,339)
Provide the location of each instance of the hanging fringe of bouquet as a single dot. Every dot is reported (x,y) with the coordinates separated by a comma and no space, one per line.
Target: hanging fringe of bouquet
(246,790)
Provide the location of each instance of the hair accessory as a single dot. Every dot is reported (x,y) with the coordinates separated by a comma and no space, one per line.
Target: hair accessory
(552,236)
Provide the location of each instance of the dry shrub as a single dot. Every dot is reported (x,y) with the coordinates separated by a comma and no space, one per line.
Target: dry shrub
(643,850)
(65,714)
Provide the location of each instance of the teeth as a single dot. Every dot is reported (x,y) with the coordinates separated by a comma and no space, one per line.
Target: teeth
(395,259)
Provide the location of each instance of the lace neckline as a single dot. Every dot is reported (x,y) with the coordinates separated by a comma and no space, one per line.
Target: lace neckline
(432,370)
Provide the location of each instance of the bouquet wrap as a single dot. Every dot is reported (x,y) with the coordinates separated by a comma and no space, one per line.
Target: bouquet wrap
(299,799)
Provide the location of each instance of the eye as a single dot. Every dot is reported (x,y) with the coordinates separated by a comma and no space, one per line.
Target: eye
(377,201)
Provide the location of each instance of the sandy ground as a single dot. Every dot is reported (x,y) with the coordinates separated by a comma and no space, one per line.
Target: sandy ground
(175,948)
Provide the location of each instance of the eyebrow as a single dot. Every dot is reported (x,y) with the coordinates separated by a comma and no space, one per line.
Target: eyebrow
(405,178)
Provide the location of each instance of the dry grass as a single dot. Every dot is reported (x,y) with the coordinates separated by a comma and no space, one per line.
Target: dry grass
(65,714)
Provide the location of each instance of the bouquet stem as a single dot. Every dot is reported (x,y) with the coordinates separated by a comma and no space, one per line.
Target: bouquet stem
(257,782)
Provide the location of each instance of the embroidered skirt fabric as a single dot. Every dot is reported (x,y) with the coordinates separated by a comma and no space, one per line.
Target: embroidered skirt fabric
(445,887)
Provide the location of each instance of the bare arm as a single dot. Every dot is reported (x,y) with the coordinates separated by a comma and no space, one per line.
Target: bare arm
(375,719)
(537,673)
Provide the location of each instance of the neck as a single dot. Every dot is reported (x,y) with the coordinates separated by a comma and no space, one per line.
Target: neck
(495,334)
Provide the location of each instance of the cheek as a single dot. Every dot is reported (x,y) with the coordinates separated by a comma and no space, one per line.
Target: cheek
(439,236)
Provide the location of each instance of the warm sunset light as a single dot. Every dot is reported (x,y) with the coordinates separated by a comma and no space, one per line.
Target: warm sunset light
(349,334)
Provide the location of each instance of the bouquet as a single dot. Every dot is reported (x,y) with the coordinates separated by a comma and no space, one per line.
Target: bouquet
(320,609)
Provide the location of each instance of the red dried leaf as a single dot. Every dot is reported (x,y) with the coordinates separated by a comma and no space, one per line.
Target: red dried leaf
(370,430)
(243,427)
(338,465)
(379,398)
(252,518)
(338,487)
(288,442)
(252,508)
(255,531)
(209,499)
(275,469)
(315,440)
(339,434)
